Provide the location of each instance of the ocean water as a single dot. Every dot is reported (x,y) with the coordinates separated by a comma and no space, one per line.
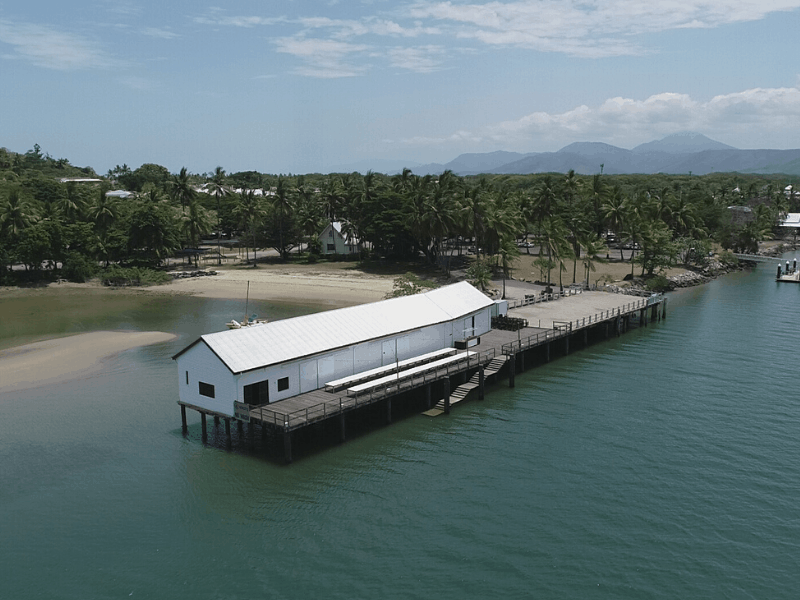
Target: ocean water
(661,464)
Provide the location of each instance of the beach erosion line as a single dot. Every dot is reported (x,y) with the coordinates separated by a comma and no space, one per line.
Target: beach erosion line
(62,359)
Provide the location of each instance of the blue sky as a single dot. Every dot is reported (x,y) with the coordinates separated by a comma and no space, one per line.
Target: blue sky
(301,86)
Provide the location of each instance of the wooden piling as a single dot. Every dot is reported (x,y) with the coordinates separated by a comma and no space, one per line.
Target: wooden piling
(287,446)
(240,428)
(481,383)
(342,430)
(183,418)
(512,370)
(389,411)
(447,395)
(203,425)
(228,432)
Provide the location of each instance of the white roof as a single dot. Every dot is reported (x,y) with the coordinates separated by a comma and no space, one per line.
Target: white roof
(791,220)
(281,341)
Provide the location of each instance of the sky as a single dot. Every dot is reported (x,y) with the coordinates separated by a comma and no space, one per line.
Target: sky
(309,86)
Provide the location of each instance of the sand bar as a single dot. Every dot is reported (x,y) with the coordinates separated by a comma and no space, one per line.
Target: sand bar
(62,359)
(325,287)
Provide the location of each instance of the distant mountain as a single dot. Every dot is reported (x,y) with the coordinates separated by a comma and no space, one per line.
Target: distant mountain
(375,164)
(594,149)
(682,143)
(686,152)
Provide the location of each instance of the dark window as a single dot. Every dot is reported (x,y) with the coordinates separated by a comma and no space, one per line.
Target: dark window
(331,247)
(206,389)
(187,377)
(257,393)
(283,384)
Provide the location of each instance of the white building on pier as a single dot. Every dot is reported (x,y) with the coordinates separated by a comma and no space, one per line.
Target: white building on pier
(278,360)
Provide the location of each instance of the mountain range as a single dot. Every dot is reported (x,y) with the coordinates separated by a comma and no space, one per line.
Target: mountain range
(686,152)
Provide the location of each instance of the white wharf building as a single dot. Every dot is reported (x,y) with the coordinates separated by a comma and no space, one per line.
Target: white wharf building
(278,360)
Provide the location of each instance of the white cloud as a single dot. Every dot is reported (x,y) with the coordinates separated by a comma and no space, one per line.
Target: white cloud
(326,59)
(743,118)
(159,32)
(590,28)
(420,59)
(46,47)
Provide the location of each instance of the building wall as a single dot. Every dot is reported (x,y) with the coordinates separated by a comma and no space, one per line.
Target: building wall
(202,365)
(312,373)
(330,236)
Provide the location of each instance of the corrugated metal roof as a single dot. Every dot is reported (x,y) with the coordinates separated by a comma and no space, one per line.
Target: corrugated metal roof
(281,341)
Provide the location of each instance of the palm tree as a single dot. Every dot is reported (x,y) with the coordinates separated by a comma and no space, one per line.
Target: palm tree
(616,212)
(249,212)
(181,188)
(216,186)
(103,212)
(593,248)
(196,224)
(16,214)
(283,204)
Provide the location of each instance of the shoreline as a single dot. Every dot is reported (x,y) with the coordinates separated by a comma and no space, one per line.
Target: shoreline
(61,359)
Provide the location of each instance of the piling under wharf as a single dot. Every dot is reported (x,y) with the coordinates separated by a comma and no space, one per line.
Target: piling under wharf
(550,329)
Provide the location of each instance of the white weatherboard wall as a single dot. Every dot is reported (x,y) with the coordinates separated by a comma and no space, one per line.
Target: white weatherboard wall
(304,373)
(202,365)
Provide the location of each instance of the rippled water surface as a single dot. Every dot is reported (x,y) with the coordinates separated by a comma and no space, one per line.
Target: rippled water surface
(661,464)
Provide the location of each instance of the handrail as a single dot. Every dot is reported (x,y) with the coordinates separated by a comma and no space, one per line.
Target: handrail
(338,405)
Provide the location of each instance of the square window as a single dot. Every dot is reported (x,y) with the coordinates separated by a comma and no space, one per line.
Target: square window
(206,389)
(283,384)
(187,377)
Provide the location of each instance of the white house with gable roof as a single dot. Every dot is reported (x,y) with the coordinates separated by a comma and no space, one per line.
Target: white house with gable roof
(272,362)
(334,239)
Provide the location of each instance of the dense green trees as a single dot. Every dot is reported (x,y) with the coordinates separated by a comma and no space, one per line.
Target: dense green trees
(559,217)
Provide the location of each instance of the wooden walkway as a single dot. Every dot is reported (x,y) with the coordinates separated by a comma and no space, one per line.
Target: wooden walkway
(498,351)
(304,409)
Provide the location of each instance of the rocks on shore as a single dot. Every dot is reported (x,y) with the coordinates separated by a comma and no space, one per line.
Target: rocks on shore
(188,274)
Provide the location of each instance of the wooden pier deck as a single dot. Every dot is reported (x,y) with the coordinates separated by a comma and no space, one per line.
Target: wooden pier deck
(572,316)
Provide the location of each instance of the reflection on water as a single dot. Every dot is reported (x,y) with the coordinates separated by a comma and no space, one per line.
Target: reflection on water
(660,464)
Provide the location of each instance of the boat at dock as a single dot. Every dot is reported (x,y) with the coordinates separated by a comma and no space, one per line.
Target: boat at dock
(250,321)
(790,273)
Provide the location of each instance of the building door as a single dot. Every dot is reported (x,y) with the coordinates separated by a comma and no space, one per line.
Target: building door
(257,393)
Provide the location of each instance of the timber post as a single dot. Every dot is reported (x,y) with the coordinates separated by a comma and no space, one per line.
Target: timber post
(481,383)
(389,411)
(228,432)
(342,429)
(183,419)
(547,352)
(216,420)
(287,446)
(566,344)
(203,425)
(240,428)
(512,370)
(447,395)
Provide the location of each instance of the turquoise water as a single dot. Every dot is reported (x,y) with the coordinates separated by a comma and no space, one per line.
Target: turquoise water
(661,464)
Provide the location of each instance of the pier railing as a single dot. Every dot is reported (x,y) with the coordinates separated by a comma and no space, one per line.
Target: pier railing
(342,403)
(538,298)
(564,328)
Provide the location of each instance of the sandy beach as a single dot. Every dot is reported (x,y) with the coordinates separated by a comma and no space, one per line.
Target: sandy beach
(62,359)
(334,287)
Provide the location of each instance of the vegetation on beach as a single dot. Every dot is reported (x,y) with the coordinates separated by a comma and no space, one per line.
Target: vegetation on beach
(72,229)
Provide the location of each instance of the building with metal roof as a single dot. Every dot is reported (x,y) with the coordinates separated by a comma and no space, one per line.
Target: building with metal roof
(278,360)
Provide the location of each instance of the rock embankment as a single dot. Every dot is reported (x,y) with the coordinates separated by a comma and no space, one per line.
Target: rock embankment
(713,269)
(188,274)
